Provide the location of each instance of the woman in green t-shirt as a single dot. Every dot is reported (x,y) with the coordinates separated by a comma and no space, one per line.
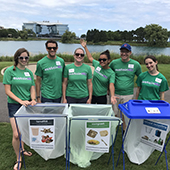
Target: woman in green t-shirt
(103,77)
(20,89)
(151,84)
(77,83)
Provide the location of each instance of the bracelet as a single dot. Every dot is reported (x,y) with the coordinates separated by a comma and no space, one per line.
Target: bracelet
(37,97)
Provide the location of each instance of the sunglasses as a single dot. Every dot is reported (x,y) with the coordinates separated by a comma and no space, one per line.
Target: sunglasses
(50,48)
(77,54)
(102,59)
(21,58)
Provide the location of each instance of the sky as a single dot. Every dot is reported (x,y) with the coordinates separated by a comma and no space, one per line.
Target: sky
(85,15)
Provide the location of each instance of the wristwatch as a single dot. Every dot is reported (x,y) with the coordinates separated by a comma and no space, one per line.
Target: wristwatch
(37,97)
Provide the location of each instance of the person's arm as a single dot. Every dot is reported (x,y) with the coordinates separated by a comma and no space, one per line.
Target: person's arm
(89,56)
(90,88)
(33,96)
(137,92)
(64,87)
(13,96)
(112,93)
(162,94)
(38,86)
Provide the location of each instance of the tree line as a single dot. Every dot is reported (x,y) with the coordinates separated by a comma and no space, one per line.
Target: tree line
(153,35)
(13,33)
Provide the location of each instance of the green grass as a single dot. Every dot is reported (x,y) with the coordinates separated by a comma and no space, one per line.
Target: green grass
(3,65)
(35,162)
(163,68)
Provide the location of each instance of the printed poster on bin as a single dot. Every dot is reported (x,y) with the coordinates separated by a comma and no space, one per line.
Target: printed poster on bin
(154,134)
(42,133)
(97,136)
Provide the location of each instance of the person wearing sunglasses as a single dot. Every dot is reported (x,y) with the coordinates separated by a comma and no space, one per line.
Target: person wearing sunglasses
(49,73)
(20,89)
(103,77)
(77,83)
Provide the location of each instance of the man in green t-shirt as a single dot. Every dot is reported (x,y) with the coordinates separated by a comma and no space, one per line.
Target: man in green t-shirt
(49,74)
(125,70)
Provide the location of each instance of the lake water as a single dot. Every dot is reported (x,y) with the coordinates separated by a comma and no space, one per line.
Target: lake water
(8,48)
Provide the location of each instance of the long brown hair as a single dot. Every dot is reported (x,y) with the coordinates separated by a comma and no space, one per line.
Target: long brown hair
(17,54)
(152,58)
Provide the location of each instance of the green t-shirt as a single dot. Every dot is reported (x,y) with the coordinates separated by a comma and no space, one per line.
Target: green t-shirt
(124,75)
(101,79)
(151,86)
(51,73)
(20,82)
(77,86)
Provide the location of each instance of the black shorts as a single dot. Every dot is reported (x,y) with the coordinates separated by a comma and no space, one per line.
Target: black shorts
(75,100)
(13,108)
(44,100)
(99,99)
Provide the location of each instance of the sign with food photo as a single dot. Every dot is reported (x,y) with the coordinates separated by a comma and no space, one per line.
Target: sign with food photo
(42,133)
(97,136)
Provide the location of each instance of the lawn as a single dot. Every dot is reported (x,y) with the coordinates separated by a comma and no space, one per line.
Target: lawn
(35,162)
(163,68)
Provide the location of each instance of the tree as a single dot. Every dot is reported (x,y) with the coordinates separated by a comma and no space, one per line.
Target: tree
(140,34)
(3,33)
(31,33)
(68,36)
(103,36)
(83,36)
(156,35)
(13,32)
(23,34)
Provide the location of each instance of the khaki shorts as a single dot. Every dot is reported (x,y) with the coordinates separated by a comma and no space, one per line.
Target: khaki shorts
(122,99)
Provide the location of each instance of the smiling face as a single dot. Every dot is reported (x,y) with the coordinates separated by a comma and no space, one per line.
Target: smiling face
(23,59)
(79,56)
(51,48)
(151,65)
(125,54)
(104,60)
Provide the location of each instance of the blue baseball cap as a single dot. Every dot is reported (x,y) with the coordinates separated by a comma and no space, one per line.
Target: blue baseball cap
(126,46)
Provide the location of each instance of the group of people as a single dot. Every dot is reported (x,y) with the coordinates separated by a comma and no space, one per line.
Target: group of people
(74,83)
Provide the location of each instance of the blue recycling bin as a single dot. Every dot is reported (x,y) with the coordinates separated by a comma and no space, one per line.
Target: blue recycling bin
(137,110)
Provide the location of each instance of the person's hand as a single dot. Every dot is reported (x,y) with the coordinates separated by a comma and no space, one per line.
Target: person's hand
(83,43)
(64,101)
(25,103)
(88,101)
(33,102)
(114,99)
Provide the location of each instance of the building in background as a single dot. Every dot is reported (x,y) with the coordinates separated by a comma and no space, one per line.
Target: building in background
(46,29)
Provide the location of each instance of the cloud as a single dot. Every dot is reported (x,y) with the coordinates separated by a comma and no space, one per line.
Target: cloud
(87,14)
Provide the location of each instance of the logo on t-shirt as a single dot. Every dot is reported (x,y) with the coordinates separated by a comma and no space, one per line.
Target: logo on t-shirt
(98,68)
(26,73)
(158,80)
(58,63)
(131,66)
(71,70)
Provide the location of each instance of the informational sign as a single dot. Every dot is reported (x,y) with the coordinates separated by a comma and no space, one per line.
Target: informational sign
(97,137)
(42,133)
(153,110)
(154,134)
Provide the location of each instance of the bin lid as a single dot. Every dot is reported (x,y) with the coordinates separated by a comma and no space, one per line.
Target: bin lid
(146,109)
